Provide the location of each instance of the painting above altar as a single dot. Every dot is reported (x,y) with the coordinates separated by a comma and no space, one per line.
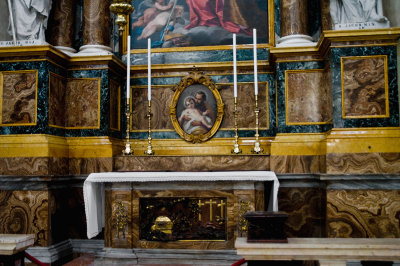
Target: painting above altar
(187,23)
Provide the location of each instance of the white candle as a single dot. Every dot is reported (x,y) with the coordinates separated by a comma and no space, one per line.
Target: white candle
(128,68)
(149,69)
(234,67)
(255,61)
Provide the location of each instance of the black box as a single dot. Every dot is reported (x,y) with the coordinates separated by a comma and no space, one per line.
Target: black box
(266,226)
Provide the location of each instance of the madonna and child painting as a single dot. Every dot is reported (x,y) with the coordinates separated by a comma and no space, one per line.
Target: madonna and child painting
(182,23)
(196,110)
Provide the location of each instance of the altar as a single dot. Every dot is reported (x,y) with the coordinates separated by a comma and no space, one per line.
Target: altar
(175,210)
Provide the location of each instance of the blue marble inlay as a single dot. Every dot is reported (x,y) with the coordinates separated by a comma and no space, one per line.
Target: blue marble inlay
(281,108)
(198,56)
(335,61)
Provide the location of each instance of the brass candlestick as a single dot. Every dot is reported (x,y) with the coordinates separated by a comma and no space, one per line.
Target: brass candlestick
(128,150)
(122,8)
(236,149)
(149,150)
(257,149)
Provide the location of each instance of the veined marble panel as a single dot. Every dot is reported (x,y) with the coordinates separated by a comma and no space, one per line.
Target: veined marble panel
(118,228)
(365,87)
(18,91)
(193,163)
(78,166)
(298,164)
(82,103)
(362,163)
(160,101)
(115,105)
(33,166)
(308,97)
(25,212)
(57,91)
(363,213)
(305,207)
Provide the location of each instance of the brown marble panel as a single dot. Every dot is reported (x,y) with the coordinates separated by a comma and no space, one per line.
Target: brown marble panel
(115,103)
(96,22)
(57,100)
(118,232)
(58,165)
(61,32)
(298,164)
(194,163)
(365,86)
(19,97)
(308,97)
(24,166)
(25,212)
(78,166)
(83,103)
(161,99)
(363,163)
(33,166)
(246,105)
(294,17)
(306,211)
(363,213)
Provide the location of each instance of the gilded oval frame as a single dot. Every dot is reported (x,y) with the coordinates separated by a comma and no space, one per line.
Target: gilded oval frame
(196,85)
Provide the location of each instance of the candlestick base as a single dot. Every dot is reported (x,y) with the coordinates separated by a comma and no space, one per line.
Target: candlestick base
(149,151)
(236,149)
(257,149)
(128,150)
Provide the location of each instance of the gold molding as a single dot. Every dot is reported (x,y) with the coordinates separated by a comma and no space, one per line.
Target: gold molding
(196,78)
(36,97)
(363,140)
(180,147)
(344,116)
(299,144)
(286,98)
(33,145)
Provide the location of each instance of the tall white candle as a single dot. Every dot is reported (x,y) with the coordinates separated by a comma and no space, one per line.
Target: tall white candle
(255,61)
(149,69)
(128,68)
(234,67)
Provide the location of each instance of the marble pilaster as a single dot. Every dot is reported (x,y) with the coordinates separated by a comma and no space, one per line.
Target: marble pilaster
(96,27)
(62,26)
(294,21)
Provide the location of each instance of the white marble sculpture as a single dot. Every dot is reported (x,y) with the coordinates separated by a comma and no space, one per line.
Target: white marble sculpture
(357,14)
(30,20)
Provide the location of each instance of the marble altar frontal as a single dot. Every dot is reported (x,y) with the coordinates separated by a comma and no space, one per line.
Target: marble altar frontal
(195,210)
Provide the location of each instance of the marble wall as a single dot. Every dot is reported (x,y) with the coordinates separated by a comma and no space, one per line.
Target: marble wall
(363,213)
(26,212)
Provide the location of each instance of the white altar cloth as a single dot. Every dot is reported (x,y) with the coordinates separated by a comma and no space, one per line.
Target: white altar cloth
(93,188)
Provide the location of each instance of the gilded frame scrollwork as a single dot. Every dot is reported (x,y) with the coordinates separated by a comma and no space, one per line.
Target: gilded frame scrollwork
(190,90)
